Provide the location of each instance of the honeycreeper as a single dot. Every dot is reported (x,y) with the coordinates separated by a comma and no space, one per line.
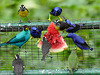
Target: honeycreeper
(23,12)
(75,27)
(36,33)
(62,26)
(79,41)
(20,38)
(72,61)
(45,48)
(18,65)
(55,12)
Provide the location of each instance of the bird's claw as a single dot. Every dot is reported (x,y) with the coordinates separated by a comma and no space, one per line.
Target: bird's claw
(31,37)
(49,19)
(60,19)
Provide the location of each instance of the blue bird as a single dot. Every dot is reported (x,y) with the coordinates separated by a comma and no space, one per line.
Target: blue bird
(55,12)
(20,38)
(75,27)
(36,33)
(79,41)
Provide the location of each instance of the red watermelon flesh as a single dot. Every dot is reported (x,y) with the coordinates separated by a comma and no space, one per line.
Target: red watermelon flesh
(57,43)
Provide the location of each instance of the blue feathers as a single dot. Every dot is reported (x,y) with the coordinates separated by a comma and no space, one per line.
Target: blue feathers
(79,41)
(56,11)
(75,27)
(19,39)
(36,33)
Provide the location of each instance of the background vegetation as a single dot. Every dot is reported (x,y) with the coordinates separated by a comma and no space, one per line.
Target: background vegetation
(39,11)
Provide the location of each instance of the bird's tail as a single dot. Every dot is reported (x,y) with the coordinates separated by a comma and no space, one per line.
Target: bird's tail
(19,74)
(91,49)
(3,44)
(43,58)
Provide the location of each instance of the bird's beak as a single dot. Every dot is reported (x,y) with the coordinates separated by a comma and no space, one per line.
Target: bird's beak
(26,28)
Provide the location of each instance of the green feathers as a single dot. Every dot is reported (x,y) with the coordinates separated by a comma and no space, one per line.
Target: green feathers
(72,61)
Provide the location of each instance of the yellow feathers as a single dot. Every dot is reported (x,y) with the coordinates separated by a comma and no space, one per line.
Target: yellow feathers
(23,13)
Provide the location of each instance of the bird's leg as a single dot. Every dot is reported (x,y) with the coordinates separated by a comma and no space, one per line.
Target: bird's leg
(49,17)
(31,37)
(28,19)
(61,34)
(59,18)
(37,41)
(20,20)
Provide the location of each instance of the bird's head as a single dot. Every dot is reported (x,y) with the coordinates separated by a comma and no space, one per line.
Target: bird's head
(22,8)
(33,29)
(70,35)
(26,28)
(44,39)
(73,51)
(16,56)
(57,24)
(56,11)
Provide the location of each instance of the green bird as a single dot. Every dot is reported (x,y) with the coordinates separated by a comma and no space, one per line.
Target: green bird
(20,38)
(72,61)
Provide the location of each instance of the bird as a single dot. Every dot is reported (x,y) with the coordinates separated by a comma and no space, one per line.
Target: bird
(62,26)
(45,48)
(36,33)
(55,12)
(72,61)
(20,38)
(18,65)
(75,27)
(23,12)
(79,41)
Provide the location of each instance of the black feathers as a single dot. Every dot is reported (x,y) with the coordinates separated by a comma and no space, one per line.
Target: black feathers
(18,65)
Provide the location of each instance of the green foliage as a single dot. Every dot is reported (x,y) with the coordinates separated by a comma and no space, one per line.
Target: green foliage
(39,9)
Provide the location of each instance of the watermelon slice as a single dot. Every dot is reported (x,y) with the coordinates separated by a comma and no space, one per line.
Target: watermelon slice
(57,43)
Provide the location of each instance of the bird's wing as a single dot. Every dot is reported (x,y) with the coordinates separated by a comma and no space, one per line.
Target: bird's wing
(46,48)
(81,42)
(27,9)
(18,38)
(18,68)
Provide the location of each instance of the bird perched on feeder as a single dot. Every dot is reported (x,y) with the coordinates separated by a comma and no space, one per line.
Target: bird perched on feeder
(23,12)
(18,65)
(36,33)
(20,38)
(79,41)
(55,12)
(75,27)
(62,26)
(72,61)
(45,48)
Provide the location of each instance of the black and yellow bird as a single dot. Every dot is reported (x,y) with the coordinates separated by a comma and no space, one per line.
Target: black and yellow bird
(62,26)
(23,12)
